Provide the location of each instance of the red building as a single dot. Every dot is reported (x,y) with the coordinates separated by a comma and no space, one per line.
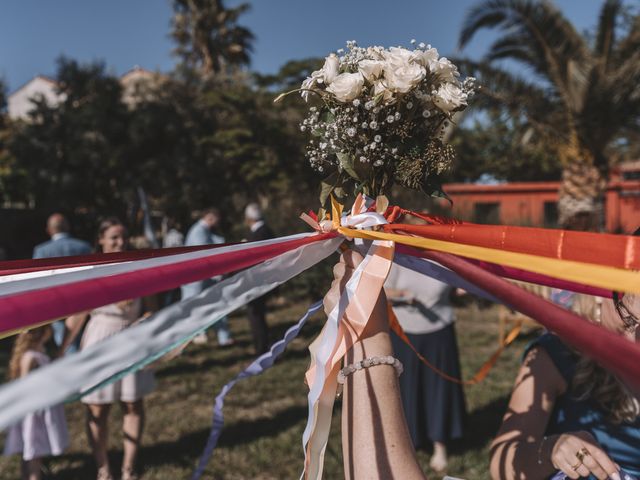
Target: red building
(535,203)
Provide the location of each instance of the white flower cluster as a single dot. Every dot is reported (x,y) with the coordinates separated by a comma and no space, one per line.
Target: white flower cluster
(380,106)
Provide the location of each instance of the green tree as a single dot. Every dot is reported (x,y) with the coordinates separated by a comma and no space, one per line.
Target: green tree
(581,95)
(208,36)
(493,145)
(291,74)
(74,155)
(7,171)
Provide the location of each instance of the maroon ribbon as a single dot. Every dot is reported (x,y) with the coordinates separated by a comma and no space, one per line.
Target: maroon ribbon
(612,351)
(33,307)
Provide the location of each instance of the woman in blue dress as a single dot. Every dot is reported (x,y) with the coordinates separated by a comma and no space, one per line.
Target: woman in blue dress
(567,413)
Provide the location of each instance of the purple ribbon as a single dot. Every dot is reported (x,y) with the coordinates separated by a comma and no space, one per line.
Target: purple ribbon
(563,476)
(259,365)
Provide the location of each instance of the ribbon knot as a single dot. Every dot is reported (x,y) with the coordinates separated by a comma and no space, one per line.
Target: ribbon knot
(360,217)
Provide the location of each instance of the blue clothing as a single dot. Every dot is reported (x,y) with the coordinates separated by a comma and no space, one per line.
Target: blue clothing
(620,441)
(62,245)
(201,234)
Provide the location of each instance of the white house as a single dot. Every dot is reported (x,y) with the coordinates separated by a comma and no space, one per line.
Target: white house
(19,103)
(135,83)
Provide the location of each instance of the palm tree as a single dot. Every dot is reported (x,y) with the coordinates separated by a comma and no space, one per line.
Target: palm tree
(579,94)
(208,36)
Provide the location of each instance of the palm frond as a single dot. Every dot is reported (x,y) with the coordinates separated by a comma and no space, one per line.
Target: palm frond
(516,95)
(542,31)
(514,46)
(631,42)
(606,33)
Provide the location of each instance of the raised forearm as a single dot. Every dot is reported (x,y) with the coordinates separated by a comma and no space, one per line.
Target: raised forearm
(375,438)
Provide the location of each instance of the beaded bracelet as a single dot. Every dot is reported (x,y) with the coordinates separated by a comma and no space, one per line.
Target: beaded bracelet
(369,362)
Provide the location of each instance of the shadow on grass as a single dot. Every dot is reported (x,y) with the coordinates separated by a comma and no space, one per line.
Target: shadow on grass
(481,426)
(185,451)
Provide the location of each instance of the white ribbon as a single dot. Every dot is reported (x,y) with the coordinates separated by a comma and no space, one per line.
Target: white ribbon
(142,343)
(56,277)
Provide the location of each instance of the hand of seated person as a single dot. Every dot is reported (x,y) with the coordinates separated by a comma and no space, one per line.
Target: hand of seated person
(578,455)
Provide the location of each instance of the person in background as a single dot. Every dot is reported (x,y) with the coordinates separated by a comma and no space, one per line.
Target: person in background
(204,232)
(62,244)
(44,432)
(129,391)
(173,238)
(258,230)
(434,406)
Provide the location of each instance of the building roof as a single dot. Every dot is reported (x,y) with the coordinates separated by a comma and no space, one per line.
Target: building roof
(41,77)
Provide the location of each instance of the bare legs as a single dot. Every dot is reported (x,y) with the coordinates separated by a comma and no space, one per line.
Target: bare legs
(132,425)
(31,469)
(98,433)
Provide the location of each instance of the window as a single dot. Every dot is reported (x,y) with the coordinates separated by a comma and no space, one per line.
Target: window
(550,214)
(487,213)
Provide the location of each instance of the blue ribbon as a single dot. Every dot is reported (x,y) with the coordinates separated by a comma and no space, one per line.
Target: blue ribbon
(259,365)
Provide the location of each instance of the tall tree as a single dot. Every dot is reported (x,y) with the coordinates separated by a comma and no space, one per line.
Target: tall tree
(580,94)
(208,36)
(74,155)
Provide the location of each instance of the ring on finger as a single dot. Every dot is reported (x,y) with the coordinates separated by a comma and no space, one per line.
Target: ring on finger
(581,454)
(577,465)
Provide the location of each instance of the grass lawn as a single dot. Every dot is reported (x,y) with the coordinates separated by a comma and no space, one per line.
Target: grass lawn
(265,415)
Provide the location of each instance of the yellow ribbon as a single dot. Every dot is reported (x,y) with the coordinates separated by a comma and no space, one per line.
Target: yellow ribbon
(589,274)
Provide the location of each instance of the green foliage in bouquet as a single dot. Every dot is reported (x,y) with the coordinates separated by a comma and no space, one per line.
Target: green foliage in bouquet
(380,119)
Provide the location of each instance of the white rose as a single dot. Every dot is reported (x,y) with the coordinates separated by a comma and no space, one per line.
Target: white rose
(370,69)
(398,56)
(446,70)
(403,78)
(449,97)
(330,68)
(425,57)
(309,83)
(346,86)
(379,88)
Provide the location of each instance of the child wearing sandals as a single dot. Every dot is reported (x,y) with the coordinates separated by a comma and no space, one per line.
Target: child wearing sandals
(42,433)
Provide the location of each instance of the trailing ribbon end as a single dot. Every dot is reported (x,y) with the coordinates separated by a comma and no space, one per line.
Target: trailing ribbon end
(344,326)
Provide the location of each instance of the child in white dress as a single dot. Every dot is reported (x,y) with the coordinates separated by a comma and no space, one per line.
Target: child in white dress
(44,432)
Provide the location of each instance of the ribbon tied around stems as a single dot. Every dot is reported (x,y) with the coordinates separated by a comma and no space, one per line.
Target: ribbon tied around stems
(344,326)
(361,216)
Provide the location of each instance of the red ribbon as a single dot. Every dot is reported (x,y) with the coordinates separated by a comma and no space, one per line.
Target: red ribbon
(621,251)
(35,265)
(23,310)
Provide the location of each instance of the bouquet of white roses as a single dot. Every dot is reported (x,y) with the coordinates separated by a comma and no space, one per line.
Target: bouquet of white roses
(382,117)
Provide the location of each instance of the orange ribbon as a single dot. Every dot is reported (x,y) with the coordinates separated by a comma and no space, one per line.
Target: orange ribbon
(482,372)
(620,251)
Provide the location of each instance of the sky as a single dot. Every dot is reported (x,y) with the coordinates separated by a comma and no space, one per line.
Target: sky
(126,33)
